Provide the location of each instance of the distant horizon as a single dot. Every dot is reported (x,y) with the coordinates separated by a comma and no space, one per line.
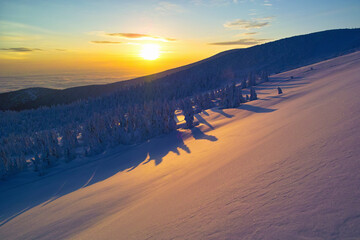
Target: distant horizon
(148,36)
(62,79)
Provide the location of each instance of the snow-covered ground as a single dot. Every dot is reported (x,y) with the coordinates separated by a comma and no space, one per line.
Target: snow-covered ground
(282,167)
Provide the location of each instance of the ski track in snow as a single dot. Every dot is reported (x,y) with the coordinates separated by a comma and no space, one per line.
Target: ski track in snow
(282,167)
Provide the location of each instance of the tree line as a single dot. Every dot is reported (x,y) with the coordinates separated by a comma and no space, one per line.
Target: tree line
(39,139)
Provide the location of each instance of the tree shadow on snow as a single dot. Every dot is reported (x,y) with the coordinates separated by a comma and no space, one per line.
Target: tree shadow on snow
(256,109)
(220,111)
(205,112)
(203,121)
(44,190)
(284,85)
(198,134)
(158,153)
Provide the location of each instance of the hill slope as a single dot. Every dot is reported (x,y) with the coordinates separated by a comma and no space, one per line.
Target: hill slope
(282,167)
(277,56)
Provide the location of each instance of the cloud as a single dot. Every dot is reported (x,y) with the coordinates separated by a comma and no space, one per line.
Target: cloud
(246,24)
(15,26)
(267,3)
(244,42)
(214,2)
(245,34)
(105,42)
(139,36)
(248,33)
(252,12)
(167,7)
(264,18)
(20,49)
(241,24)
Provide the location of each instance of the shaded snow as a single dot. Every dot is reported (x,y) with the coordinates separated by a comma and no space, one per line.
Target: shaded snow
(282,167)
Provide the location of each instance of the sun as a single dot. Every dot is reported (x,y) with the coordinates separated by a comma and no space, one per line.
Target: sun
(150,51)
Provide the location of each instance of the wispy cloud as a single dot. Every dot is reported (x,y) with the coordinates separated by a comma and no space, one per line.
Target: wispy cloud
(244,42)
(264,18)
(252,12)
(105,42)
(267,3)
(8,25)
(214,2)
(245,24)
(168,8)
(248,33)
(241,24)
(20,49)
(140,36)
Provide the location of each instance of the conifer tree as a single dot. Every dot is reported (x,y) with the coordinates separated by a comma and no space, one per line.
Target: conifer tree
(253,95)
(188,113)
(265,76)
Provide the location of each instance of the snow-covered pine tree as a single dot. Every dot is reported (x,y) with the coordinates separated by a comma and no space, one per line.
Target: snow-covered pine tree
(69,143)
(169,117)
(265,76)
(251,80)
(243,82)
(253,95)
(4,163)
(231,97)
(188,112)
(239,95)
(225,97)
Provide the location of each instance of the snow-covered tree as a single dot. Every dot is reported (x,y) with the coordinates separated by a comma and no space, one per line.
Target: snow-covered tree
(253,95)
(265,76)
(251,80)
(188,112)
(240,96)
(232,96)
(243,83)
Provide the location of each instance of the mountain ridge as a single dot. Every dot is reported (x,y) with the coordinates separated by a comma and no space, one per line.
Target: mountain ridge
(231,65)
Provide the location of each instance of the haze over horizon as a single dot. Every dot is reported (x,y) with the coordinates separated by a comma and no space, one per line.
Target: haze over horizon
(61,44)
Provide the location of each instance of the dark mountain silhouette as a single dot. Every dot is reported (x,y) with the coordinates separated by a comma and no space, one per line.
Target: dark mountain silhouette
(231,65)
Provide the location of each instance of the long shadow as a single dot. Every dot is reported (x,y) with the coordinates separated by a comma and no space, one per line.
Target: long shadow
(198,134)
(18,199)
(3,222)
(203,121)
(205,112)
(256,109)
(280,84)
(218,110)
(157,154)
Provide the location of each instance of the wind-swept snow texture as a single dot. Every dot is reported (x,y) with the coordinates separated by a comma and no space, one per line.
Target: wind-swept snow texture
(282,167)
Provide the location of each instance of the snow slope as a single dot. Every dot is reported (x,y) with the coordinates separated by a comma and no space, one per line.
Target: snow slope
(282,167)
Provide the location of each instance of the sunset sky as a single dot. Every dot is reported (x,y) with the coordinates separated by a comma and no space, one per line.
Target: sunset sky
(102,36)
